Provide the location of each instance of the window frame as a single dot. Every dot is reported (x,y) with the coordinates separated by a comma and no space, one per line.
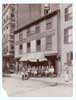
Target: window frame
(49,24)
(37,28)
(20,36)
(38,46)
(48,43)
(20,49)
(46,11)
(28,47)
(66,35)
(67,15)
(69,58)
(28,32)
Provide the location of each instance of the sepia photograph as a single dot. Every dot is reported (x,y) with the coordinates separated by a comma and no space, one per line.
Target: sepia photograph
(37,49)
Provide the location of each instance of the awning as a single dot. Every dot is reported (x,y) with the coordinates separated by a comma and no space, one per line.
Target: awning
(39,59)
(34,57)
(24,58)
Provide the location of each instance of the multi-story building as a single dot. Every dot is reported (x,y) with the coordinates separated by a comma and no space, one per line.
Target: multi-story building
(26,13)
(49,36)
(15,16)
(8,25)
(66,27)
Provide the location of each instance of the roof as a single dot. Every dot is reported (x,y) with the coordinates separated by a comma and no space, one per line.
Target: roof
(37,21)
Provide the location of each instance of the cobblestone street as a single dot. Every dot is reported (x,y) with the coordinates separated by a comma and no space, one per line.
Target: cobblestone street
(40,87)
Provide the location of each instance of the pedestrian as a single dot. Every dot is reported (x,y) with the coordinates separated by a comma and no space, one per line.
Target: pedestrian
(16,66)
(7,67)
(35,72)
(46,72)
(42,71)
(66,76)
(39,71)
(23,73)
(32,71)
(51,70)
(26,72)
(29,70)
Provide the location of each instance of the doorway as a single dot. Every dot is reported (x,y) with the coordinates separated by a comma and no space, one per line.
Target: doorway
(53,60)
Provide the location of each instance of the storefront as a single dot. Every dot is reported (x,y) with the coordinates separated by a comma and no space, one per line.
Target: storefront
(8,61)
(38,60)
(54,60)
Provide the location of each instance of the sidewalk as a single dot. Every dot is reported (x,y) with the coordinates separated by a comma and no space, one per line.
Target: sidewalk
(49,80)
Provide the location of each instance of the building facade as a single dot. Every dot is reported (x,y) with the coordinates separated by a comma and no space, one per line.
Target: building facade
(8,25)
(26,13)
(66,31)
(50,35)
(13,17)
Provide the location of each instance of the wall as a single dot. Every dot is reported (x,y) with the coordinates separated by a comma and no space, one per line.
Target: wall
(64,47)
(42,36)
(26,13)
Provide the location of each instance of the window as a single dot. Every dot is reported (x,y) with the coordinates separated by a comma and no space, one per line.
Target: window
(20,48)
(13,26)
(11,36)
(28,47)
(69,58)
(12,14)
(48,24)
(37,28)
(6,27)
(38,45)
(49,42)
(68,13)
(12,47)
(12,17)
(28,32)
(32,30)
(20,36)
(68,35)
(6,18)
(46,8)
(13,9)
(5,49)
(12,52)
(45,11)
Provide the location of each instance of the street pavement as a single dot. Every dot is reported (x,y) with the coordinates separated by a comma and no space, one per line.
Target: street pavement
(36,87)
